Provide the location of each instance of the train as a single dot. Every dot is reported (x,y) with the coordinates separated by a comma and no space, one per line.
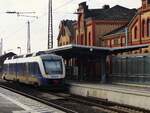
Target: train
(35,69)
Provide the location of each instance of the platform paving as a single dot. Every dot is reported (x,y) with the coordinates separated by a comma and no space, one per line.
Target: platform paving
(7,106)
(130,95)
(11,102)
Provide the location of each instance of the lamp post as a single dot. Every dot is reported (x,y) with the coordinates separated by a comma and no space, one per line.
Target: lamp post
(19,50)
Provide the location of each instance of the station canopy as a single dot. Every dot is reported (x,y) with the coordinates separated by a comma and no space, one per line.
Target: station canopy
(73,50)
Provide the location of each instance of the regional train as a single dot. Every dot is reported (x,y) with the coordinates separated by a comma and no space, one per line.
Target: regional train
(34,69)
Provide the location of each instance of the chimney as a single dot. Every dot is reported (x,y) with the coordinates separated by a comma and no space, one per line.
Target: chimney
(145,3)
(106,7)
(83,6)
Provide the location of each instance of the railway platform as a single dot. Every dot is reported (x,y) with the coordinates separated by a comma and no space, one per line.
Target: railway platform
(11,102)
(134,95)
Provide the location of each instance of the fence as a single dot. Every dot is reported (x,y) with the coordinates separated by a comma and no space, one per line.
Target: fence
(134,69)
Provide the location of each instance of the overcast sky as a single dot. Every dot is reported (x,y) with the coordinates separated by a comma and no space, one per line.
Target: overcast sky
(13,29)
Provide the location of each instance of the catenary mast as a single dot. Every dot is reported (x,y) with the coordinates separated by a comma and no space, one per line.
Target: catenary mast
(50,25)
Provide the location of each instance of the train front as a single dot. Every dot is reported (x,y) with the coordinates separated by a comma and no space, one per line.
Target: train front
(53,70)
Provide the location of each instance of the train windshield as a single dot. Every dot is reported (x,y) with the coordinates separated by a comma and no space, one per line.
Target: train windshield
(53,66)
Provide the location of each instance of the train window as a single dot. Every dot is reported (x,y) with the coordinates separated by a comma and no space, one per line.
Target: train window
(5,68)
(10,68)
(21,68)
(34,68)
(24,68)
(53,66)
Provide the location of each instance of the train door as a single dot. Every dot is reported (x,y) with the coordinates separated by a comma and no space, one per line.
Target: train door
(34,73)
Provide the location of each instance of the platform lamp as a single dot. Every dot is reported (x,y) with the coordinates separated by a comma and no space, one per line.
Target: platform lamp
(19,50)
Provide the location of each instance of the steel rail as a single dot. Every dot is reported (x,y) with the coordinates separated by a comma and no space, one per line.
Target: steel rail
(96,103)
(120,108)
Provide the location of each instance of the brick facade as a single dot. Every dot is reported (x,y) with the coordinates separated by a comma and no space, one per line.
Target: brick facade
(92,24)
(138,29)
(89,29)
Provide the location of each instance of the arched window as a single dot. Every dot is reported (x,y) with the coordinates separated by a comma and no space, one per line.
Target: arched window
(143,28)
(89,39)
(135,32)
(63,32)
(148,27)
(82,40)
(77,39)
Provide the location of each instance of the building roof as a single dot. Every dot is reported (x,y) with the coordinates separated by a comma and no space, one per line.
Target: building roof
(67,25)
(114,13)
(119,30)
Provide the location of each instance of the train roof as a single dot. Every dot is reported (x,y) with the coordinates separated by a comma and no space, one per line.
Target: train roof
(33,58)
(40,54)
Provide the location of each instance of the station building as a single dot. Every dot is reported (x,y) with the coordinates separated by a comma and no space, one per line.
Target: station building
(88,30)
(93,23)
(136,32)
(131,67)
(66,33)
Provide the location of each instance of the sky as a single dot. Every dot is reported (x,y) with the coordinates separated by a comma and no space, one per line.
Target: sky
(13,29)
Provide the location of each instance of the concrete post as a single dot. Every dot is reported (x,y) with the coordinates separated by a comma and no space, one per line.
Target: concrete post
(103,69)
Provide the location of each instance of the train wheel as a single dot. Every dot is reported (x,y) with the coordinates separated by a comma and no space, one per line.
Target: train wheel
(36,85)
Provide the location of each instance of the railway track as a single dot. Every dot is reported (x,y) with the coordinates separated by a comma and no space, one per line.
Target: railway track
(104,104)
(39,99)
(72,103)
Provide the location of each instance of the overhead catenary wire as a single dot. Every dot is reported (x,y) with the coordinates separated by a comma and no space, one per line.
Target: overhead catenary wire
(65,4)
(45,14)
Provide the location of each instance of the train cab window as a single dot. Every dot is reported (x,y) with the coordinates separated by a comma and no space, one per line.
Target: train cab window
(53,66)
